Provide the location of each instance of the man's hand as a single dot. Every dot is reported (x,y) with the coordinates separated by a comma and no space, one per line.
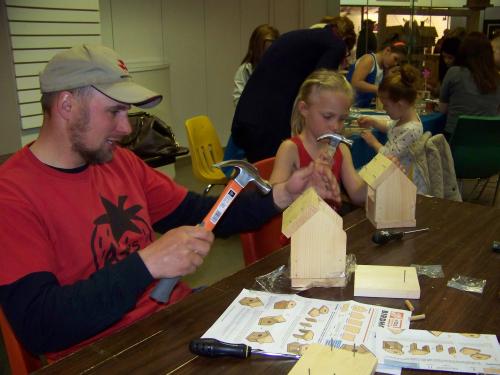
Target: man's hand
(316,174)
(178,252)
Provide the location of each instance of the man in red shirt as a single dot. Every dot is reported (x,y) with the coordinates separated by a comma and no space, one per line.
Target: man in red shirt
(78,254)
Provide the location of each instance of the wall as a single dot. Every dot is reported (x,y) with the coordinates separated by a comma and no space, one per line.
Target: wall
(206,41)
(187,50)
(10,128)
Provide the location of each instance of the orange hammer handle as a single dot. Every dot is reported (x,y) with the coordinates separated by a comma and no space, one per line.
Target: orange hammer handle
(230,192)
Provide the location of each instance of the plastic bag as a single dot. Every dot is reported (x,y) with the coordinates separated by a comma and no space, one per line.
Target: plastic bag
(468,284)
(434,271)
(278,280)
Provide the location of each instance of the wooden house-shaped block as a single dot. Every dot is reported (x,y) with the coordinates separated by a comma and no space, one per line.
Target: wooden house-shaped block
(318,244)
(391,196)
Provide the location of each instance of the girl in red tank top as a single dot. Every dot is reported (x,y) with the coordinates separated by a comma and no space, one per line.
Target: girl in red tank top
(320,107)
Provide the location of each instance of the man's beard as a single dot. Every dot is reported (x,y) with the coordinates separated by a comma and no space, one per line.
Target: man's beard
(77,136)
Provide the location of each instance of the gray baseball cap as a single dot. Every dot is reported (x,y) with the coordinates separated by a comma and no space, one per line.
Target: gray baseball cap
(99,67)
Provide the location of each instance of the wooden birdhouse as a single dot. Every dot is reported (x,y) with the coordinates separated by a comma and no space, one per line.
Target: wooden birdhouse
(391,196)
(318,244)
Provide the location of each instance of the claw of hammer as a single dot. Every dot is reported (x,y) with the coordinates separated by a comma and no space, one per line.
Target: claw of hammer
(334,140)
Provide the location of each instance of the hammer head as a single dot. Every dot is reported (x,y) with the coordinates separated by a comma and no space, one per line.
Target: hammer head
(246,173)
(335,139)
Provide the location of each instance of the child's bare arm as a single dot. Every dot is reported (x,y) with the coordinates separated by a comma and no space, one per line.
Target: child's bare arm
(286,162)
(372,122)
(353,183)
(363,68)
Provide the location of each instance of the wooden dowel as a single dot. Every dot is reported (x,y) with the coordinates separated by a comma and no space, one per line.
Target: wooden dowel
(417,317)
(409,305)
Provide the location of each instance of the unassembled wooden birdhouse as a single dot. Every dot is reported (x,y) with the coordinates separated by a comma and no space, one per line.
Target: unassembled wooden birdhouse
(318,245)
(391,196)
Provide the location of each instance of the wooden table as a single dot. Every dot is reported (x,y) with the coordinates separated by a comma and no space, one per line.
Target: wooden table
(460,240)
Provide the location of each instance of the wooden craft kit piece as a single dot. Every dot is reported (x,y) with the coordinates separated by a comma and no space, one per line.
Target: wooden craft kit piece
(260,337)
(347,360)
(391,196)
(386,281)
(409,305)
(297,348)
(393,347)
(417,317)
(251,302)
(283,305)
(318,242)
(270,320)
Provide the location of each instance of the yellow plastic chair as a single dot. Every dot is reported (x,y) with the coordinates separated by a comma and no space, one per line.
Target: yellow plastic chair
(205,150)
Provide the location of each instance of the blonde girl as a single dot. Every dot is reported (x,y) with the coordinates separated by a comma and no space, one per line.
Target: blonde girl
(320,107)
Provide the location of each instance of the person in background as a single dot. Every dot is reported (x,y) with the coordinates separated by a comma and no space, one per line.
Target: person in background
(449,51)
(439,43)
(262,117)
(367,73)
(398,93)
(320,107)
(367,41)
(79,251)
(495,44)
(472,86)
(260,40)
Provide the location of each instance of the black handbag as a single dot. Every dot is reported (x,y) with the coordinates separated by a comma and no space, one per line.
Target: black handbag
(152,140)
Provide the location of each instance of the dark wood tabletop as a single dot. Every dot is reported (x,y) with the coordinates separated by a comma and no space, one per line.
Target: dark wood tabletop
(460,239)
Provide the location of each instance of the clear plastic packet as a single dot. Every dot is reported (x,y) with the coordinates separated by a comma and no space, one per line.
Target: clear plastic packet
(468,284)
(278,280)
(434,271)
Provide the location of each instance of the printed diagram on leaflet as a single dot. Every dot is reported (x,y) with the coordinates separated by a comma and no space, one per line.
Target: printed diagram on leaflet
(290,323)
(434,350)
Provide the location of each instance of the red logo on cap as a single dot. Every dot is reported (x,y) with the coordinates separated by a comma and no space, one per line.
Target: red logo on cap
(122,66)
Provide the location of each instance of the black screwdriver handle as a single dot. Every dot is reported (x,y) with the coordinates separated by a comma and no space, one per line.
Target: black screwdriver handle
(214,348)
(381,237)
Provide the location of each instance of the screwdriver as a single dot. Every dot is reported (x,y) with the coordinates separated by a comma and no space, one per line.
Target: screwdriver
(381,237)
(214,348)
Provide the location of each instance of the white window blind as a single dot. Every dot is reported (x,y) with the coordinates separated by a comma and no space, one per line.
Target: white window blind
(38,30)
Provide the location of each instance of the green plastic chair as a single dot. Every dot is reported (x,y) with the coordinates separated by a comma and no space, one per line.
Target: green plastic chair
(475,146)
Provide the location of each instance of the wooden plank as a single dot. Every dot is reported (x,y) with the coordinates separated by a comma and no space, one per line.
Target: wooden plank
(386,281)
(35,55)
(29,96)
(45,28)
(30,109)
(60,4)
(347,360)
(306,205)
(31,122)
(375,171)
(22,42)
(24,70)
(51,15)
(27,83)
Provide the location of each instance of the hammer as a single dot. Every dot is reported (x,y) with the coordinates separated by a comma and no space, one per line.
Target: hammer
(334,140)
(246,173)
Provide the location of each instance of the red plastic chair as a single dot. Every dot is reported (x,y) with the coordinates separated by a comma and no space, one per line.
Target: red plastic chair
(21,362)
(266,239)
